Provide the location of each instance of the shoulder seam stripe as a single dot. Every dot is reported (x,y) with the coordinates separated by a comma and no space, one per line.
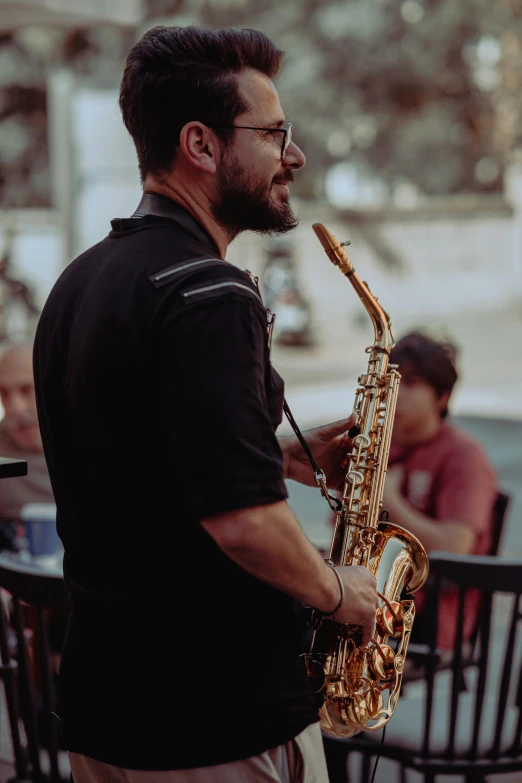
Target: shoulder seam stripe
(207,288)
(162,275)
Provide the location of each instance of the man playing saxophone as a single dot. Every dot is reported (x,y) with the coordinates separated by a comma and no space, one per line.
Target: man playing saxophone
(158,407)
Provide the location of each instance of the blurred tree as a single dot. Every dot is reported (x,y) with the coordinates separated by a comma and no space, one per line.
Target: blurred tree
(27,55)
(413,95)
(425,91)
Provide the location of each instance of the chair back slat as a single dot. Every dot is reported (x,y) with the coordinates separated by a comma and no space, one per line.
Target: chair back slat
(431,610)
(9,678)
(49,700)
(27,687)
(506,679)
(498,518)
(484,631)
(456,681)
(40,605)
(457,674)
(479,708)
(516,746)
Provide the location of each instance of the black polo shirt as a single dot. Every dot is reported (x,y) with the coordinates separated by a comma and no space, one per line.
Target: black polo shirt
(158,407)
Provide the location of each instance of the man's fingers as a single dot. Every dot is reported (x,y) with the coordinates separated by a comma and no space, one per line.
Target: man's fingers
(338,428)
(367,633)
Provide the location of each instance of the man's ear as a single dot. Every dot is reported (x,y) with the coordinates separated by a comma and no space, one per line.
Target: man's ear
(200,147)
(443,401)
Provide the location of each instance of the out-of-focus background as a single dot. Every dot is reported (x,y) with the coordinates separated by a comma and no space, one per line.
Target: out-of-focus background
(409,113)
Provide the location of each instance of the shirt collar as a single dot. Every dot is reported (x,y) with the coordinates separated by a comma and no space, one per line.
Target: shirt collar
(162,206)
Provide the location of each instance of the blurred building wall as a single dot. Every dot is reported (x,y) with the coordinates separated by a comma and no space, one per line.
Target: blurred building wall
(451,255)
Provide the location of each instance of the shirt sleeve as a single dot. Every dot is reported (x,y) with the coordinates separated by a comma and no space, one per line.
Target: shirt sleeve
(213,372)
(466,489)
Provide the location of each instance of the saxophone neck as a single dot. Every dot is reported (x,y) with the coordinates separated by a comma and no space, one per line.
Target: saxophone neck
(384,340)
(334,249)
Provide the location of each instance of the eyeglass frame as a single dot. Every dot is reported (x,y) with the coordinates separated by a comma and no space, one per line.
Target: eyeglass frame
(286,129)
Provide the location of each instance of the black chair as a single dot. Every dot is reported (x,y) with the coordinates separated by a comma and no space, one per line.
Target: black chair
(500,509)
(37,597)
(416,651)
(442,729)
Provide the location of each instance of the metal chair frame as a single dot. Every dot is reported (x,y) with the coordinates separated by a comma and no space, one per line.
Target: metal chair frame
(491,575)
(43,592)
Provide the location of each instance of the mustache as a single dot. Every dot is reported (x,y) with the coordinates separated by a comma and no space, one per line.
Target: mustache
(283,179)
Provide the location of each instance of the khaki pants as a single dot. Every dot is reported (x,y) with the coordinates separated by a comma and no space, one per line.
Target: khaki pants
(299,761)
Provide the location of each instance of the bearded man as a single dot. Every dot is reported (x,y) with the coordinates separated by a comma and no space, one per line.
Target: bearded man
(159,407)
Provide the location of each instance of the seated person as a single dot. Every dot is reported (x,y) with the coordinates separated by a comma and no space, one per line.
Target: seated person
(440,484)
(20,438)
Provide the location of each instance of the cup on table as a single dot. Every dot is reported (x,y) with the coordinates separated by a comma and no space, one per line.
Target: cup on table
(43,542)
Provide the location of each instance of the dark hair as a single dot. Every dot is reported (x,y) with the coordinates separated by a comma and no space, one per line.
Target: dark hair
(177,74)
(433,361)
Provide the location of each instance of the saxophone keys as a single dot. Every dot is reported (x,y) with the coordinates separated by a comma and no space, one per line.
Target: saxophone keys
(358,708)
(390,619)
(355,478)
(375,702)
(362,441)
(399,664)
(365,705)
(383,662)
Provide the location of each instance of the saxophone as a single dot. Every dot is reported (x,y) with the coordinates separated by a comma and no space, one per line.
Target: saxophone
(359,685)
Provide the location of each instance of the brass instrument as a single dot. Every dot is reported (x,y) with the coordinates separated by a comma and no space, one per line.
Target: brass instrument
(361,685)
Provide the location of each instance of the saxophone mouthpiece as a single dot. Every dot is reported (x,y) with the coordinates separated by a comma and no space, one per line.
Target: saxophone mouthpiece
(333,248)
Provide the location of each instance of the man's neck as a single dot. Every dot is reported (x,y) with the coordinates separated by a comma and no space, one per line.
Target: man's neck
(420,434)
(199,208)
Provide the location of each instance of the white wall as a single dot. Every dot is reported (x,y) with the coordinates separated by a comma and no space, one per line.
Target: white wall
(106,174)
(449,262)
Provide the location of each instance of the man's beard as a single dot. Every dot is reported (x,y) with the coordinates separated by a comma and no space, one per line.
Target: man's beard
(245,203)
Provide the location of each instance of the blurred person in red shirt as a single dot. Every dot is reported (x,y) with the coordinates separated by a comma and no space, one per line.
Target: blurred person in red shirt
(440,485)
(20,438)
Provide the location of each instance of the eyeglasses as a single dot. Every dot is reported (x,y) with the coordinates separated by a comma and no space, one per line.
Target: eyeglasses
(286,130)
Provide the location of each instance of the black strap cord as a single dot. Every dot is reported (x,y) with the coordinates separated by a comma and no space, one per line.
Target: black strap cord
(288,413)
(319,475)
(378,754)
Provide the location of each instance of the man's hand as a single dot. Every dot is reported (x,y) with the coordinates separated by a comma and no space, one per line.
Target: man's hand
(360,602)
(329,444)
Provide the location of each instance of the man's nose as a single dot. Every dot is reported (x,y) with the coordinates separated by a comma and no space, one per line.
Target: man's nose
(294,158)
